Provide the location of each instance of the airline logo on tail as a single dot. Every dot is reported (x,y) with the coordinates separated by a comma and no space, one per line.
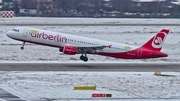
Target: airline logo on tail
(159,40)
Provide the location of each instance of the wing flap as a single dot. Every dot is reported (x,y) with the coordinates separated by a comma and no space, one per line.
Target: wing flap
(93,49)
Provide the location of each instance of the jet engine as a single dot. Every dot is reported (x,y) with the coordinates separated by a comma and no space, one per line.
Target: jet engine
(69,50)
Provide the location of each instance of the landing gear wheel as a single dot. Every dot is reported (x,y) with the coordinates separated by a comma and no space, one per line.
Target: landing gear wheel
(82,57)
(22,48)
(85,59)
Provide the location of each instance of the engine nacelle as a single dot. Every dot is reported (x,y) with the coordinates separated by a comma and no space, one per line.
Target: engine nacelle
(69,50)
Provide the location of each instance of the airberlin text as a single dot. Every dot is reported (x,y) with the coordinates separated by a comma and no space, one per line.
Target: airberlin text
(42,35)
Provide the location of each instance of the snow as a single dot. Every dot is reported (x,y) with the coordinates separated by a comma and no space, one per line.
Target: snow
(59,85)
(133,35)
(54,20)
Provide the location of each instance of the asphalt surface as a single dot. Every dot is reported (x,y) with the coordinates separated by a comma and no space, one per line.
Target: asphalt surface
(120,67)
(20,24)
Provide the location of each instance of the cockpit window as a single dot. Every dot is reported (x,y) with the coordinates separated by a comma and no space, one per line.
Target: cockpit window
(16,30)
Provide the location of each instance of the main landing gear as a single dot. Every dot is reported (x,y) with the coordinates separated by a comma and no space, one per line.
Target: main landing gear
(23,46)
(84,58)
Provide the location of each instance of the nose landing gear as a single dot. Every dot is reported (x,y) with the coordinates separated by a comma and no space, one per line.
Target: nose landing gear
(22,48)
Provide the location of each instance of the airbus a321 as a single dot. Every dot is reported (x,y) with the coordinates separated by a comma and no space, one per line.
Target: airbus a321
(71,44)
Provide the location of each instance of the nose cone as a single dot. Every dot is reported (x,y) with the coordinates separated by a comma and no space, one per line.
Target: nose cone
(9,34)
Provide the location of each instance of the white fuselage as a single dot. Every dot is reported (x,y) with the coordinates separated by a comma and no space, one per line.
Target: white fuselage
(57,39)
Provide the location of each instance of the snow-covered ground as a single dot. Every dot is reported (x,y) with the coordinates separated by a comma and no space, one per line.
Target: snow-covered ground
(51,20)
(59,85)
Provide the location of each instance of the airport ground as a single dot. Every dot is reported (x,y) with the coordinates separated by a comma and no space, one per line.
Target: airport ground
(24,68)
(91,67)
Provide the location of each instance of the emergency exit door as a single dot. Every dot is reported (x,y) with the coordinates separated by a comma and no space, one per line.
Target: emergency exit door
(139,52)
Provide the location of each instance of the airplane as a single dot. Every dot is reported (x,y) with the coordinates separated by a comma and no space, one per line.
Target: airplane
(71,44)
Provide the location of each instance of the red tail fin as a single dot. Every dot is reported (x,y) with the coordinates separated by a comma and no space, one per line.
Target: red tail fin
(157,41)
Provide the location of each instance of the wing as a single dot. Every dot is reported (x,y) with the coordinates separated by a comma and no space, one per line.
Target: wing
(91,49)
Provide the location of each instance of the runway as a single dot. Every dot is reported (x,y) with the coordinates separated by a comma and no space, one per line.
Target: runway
(24,24)
(119,67)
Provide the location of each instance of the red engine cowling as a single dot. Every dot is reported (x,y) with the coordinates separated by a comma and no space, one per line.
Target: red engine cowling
(69,50)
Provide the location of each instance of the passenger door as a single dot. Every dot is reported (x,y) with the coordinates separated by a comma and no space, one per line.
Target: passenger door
(25,33)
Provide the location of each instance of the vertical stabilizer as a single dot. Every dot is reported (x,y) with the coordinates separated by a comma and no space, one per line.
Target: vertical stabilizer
(157,41)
